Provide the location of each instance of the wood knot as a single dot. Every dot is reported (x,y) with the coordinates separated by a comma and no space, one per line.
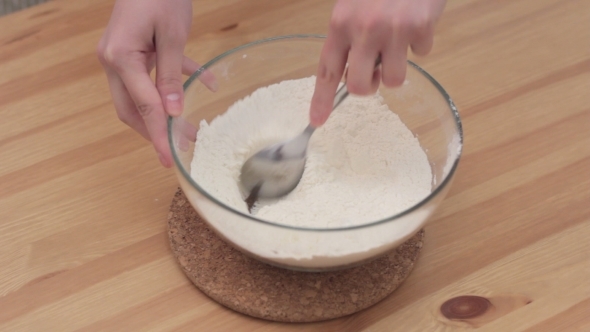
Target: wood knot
(465,307)
(229,27)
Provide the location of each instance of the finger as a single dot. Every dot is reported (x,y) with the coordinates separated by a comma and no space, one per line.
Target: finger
(330,70)
(189,67)
(188,134)
(149,105)
(124,105)
(361,78)
(169,60)
(423,41)
(394,62)
(189,131)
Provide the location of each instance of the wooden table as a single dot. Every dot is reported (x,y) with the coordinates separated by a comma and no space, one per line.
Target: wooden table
(83,200)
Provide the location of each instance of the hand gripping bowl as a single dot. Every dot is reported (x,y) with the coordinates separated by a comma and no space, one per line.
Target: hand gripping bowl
(421,103)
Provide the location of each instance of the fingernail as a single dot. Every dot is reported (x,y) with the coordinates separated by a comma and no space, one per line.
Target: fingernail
(214,86)
(183,144)
(209,80)
(316,119)
(173,104)
(162,160)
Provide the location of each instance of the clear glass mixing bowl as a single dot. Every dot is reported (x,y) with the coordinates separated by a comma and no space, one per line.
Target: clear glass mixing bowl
(421,103)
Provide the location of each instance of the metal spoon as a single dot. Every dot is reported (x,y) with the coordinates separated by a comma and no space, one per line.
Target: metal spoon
(276,170)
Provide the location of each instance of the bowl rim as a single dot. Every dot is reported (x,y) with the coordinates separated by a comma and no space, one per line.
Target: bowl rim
(445,182)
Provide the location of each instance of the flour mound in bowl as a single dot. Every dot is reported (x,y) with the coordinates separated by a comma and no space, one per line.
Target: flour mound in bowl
(363,165)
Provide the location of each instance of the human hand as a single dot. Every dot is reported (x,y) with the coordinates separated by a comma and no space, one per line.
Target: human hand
(141,35)
(359,31)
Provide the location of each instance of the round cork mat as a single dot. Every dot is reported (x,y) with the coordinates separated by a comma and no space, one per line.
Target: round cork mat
(257,289)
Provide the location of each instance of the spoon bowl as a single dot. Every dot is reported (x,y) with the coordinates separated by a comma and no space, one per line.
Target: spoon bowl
(276,170)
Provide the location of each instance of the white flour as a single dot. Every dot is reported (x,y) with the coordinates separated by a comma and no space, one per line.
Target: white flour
(363,165)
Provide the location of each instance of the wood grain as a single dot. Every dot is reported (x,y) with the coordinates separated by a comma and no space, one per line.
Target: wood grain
(83,200)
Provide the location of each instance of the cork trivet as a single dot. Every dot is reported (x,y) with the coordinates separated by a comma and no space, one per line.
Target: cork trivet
(260,290)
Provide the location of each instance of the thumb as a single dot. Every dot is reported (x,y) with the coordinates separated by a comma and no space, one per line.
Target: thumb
(169,59)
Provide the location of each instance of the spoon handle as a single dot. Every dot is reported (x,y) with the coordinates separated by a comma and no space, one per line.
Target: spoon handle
(341,94)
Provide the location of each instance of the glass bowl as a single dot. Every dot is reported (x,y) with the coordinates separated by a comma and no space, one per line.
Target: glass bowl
(421,103)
